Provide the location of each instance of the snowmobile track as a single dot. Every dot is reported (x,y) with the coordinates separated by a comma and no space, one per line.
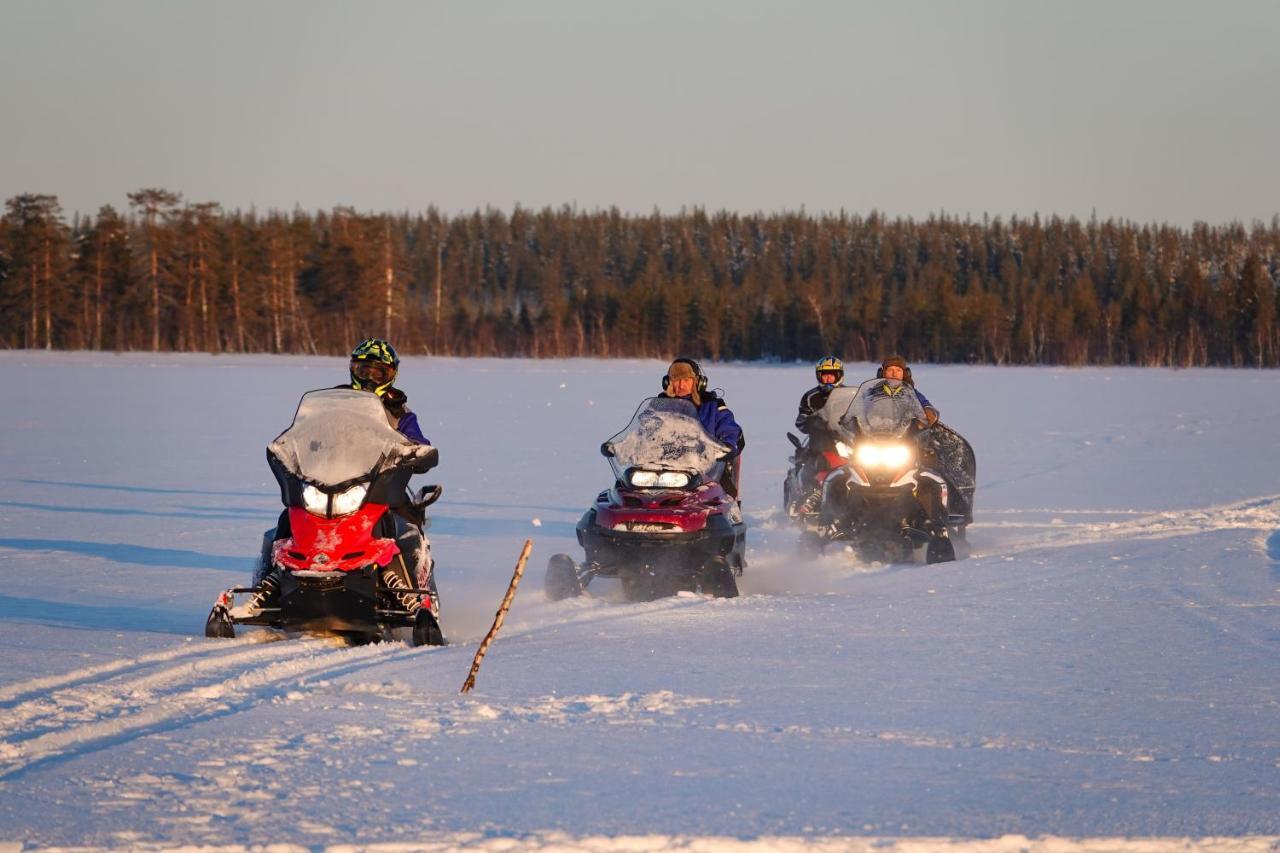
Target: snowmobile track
(115,702)
(1260,513)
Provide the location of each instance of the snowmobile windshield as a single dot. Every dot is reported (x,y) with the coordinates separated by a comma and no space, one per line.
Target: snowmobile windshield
(338,435)
(882,408)
(665,435)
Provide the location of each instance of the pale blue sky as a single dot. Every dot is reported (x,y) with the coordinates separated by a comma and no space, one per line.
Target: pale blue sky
(1153,111)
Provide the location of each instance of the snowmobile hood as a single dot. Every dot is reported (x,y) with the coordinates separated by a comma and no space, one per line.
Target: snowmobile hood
(876,407)
(666,435)
(339,435)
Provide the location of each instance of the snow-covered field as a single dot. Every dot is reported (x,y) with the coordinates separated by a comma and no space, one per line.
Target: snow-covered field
(1104,666)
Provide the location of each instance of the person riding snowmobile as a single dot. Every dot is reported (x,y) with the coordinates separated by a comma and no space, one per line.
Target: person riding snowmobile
(374,364)
(830,373)
(684,379)
(373,368)
(896,373)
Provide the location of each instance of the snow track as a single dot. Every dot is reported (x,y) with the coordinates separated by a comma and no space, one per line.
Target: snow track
(82,710)
(1260,513)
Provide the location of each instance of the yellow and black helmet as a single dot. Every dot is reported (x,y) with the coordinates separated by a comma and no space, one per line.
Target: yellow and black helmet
(829,364)
(373,366)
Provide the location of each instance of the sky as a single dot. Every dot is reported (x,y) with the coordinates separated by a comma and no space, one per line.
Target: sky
(1150,110)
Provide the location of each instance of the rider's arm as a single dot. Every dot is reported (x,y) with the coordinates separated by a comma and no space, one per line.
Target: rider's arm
(408,427)
(806,411)
(930,411)
(727,430)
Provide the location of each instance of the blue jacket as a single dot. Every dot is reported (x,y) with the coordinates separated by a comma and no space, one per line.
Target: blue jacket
(408,427)
(716,419)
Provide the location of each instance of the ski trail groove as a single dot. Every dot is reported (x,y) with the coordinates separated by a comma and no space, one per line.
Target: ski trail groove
(132,708)
(1260,513)
(20,689)
(100,697)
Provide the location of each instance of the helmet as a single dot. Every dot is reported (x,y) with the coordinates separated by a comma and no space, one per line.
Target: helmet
(373,366)
(700,378)
(829,364)
(896,361)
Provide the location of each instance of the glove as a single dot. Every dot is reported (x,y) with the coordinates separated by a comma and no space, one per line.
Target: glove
(394,399)
(420,458)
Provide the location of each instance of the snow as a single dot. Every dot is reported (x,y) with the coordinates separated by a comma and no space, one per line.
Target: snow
(1099,673)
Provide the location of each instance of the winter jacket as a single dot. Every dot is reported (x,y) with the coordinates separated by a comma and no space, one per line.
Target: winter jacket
(809,422)
(400,417)
(716,419)
(810,404)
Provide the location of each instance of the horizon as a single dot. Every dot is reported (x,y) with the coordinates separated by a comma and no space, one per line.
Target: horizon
(1146,112)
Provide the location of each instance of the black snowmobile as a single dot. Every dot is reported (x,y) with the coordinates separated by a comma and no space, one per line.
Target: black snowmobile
(903,483)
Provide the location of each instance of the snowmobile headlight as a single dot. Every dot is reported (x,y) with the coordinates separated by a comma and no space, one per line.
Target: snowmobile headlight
(316,501)
(844,450)
(659,479)
(345,503)
(644,479)
(890,456)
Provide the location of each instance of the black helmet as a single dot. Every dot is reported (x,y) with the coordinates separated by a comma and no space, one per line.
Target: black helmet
(373,366)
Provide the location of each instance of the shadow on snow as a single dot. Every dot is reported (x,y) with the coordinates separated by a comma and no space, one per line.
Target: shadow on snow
(140,555)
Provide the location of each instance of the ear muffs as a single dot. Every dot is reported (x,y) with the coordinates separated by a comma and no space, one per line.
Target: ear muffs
(697,375)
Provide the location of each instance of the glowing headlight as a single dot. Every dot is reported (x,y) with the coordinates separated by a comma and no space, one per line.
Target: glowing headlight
(659,479)
(350,500)
(843,450)
(344,503)
(891,456)
(316,501)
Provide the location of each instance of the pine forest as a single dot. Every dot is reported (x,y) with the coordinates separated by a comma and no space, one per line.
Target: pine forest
(166,275)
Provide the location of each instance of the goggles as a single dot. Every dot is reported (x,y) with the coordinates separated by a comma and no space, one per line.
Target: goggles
(373,371)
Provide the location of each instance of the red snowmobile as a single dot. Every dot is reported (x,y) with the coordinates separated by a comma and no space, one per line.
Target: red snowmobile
(666,524)
(342,563)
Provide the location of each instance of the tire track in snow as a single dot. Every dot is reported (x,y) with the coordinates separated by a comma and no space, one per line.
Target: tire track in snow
(43,684)
(1261,513)
(119,710)
(97,697)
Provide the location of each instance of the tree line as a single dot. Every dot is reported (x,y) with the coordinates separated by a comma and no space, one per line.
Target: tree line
(167,275)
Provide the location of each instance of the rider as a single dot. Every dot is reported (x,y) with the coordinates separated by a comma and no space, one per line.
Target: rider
(830,373)
(373,368)
(685,380)
(896,373)
(895,370)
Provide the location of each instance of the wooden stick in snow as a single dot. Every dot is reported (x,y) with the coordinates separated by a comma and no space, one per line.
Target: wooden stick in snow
(497,620)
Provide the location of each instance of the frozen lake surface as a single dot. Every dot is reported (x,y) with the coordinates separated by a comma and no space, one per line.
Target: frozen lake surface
(1105,664)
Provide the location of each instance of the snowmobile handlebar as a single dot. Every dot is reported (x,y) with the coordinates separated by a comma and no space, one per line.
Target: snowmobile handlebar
(419,459)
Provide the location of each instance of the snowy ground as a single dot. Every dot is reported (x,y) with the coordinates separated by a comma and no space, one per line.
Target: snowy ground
(1104,666)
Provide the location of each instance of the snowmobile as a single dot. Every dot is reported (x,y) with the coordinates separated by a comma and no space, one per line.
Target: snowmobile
(343,473)
(896,483)
(666,524)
